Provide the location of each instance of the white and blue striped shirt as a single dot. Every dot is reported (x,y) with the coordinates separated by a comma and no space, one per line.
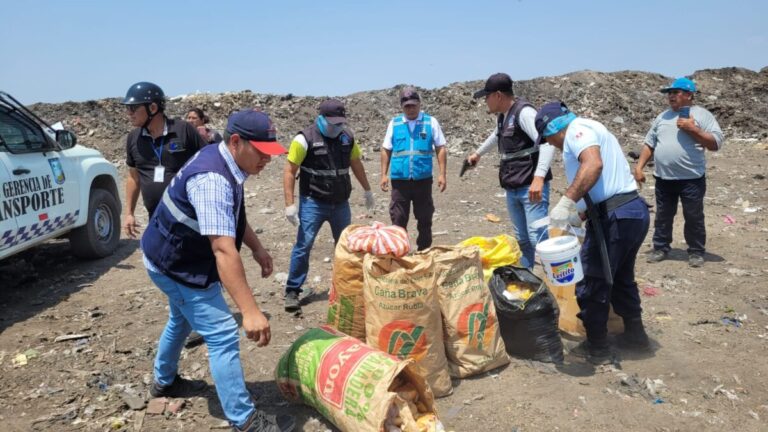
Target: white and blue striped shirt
(213,198)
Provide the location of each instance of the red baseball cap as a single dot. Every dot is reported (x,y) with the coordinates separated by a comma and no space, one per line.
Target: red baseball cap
(256,127)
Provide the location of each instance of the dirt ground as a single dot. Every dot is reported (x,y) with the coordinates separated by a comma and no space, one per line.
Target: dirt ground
(707,373)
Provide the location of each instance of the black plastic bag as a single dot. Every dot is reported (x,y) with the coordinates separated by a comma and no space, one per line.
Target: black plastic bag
(529,328)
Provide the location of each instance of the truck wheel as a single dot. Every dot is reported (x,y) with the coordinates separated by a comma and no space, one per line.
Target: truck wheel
(99,236)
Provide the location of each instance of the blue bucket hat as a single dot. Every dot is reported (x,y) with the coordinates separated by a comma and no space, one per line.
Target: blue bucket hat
(552,118)
(684,84)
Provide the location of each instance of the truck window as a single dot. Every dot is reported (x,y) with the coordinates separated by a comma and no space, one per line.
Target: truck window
(20,135)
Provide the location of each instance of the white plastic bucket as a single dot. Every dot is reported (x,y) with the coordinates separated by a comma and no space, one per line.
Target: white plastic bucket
(560,258)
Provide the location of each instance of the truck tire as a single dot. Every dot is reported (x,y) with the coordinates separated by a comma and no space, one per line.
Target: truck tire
(99,236)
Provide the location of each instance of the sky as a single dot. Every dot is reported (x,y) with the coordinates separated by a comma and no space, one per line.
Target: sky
(55,51)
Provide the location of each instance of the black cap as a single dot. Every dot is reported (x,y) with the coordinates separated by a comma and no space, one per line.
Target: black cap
(496,82)
(333,110)
(409,96)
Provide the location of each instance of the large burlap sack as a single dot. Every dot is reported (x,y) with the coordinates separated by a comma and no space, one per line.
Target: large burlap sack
(495,252)
(355,386)
(403,315)
(473,343)
(346,305)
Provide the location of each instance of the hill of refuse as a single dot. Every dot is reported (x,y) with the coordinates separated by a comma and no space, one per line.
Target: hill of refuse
(625,101)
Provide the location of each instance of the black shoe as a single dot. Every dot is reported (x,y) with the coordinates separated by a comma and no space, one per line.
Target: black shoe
(179,388)
(634,337)
(597,355)
(292,303)
(695,260)
(194,339)
(306,296)
(262,422)
(656,255)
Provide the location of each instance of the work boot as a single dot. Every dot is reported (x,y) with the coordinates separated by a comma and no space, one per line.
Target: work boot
(259,421)
(194,339)
(595,349)
(634,336)
(656,255)
(292,303)
(179,388)
(695,260)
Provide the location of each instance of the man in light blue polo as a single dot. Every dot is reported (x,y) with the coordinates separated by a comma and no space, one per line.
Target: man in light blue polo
(598,176)
(677,140)
(411,141)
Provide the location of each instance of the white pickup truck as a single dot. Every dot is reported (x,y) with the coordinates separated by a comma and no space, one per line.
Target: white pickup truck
(50,187)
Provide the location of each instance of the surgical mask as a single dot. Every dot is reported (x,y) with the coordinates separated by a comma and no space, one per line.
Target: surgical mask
(328,129)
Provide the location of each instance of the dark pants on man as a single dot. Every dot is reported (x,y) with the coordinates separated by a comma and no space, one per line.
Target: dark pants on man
(691,195)
(624,228)
(420,193)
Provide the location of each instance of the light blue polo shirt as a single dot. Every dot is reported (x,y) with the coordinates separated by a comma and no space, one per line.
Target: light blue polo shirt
(616,177)
(677,156)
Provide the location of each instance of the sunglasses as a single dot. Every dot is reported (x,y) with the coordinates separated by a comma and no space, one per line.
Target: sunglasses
(133,108)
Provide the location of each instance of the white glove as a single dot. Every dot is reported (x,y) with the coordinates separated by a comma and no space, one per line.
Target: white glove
(369,201)
(292,214)
(564,213)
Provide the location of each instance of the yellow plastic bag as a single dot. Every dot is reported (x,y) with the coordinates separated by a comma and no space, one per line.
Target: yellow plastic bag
(495,252)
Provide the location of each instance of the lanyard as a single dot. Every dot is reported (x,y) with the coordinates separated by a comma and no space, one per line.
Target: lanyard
(159,151)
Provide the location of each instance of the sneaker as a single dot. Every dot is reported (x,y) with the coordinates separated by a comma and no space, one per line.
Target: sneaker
(179,388)
(695,260)
(194,339)
(259,421)
(292,303)
(595,355)
(656,255)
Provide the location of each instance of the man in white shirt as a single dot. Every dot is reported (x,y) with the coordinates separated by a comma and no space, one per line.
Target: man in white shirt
(598,173)
(524,169)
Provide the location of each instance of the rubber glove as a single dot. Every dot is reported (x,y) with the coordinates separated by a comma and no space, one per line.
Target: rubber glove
(369,201)
(563,213)
(292,214)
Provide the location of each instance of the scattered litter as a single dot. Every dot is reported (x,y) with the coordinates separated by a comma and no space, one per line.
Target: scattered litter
(20,360)
(157,406)
(490,217)
(176,405)
(651,291)
(729,220)
(731,321)
(133,401)
(739,272)
(281,278)
(64,338)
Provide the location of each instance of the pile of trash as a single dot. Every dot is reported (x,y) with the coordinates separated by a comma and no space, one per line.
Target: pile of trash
(625,101)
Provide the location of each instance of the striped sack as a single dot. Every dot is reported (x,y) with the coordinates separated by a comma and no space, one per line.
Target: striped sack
(380,239)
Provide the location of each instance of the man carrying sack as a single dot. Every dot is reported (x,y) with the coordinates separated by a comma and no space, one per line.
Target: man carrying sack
(598,173)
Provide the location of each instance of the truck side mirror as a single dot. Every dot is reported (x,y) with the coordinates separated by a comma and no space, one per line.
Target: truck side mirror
(66,139)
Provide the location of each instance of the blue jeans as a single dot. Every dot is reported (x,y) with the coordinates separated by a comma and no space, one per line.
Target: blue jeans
(523,212)
(206,312)
(312,215)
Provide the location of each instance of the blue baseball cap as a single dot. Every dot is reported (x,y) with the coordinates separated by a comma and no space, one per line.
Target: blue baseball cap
(551,118)
(256,127)
(684,84)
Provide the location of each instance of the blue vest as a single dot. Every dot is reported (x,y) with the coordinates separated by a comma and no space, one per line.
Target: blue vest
(411,151)
(172,240)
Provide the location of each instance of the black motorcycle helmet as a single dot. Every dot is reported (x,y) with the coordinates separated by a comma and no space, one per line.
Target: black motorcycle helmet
(146,93)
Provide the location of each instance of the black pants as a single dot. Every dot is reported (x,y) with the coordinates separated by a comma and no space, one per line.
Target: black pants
(624,229)
(691,195)
(420,193)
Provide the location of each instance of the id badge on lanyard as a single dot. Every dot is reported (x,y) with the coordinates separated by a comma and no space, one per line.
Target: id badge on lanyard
(159,169)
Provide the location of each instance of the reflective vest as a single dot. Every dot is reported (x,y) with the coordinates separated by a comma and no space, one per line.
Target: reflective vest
(519,155)
(172,240)
(324,173)
(411,151)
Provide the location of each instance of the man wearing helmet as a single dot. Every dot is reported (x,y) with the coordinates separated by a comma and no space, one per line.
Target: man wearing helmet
(155,150)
